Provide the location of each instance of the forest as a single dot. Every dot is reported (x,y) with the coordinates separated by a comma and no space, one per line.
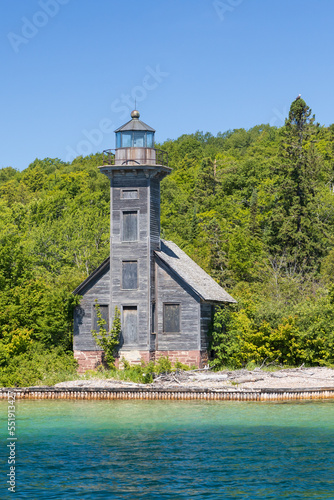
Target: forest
(254,208)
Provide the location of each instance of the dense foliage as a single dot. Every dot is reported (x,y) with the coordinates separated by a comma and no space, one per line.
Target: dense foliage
(254,208)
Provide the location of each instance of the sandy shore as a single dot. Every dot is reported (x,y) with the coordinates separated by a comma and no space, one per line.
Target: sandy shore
(292,378)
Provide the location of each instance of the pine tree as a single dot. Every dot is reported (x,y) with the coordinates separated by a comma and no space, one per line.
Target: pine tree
(294,229)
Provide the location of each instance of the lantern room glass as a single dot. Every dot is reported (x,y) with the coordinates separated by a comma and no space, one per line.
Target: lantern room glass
(118,140)
(135,139)
(149,139)
(127,141)
(139,139)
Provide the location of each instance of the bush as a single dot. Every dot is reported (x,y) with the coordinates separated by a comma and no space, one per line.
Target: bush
(38,366)
(306,336)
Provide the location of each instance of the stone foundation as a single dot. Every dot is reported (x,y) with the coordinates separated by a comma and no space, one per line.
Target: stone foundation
(189,358)
(88,360)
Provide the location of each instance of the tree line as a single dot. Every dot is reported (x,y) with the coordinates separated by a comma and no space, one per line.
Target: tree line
(254,208)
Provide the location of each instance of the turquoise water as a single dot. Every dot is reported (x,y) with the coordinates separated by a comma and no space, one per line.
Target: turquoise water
(170,450)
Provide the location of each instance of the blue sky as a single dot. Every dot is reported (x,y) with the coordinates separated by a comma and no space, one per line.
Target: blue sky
(72,68)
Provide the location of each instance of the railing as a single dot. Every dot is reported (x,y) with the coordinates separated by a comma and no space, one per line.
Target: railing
(108,157)
(161,158)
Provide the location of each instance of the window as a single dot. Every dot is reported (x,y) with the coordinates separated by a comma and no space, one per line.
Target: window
(118,140)
(150,139)
(138,139)
(129,194)
(129,275)
(126,139)
(135,139)
(130,325)
(130,226)
(104,309)
(171,318)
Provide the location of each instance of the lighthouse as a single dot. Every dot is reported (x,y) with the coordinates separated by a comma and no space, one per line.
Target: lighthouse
(166,300)
(135,172)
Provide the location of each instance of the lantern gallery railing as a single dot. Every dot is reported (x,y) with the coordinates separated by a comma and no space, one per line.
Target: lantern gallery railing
(135,156)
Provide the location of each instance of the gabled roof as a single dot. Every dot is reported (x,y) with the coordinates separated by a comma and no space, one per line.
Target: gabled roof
(104,267)
(190,272)
(135,124)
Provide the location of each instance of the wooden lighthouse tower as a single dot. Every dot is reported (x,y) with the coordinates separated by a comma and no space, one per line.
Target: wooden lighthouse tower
(135,173)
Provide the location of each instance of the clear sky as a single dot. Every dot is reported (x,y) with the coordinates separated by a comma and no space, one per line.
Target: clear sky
(71,69)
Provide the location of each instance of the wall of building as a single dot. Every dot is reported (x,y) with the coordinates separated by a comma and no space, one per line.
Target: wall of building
(83,314)
(171,289)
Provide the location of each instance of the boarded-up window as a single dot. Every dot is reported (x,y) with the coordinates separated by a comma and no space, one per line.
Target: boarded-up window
(130,226)
(129,275)
(171,318)
(130,324)
(105,315)
(129,194)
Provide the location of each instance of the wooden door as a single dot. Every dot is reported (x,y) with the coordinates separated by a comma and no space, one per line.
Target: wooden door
(130,325)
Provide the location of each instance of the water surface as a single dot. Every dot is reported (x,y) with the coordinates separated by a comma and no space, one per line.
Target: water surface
(171,450)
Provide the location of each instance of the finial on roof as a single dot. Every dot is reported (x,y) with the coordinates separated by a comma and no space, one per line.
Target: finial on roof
(135,114)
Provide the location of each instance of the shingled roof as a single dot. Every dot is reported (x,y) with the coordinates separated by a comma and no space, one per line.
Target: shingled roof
(202,284)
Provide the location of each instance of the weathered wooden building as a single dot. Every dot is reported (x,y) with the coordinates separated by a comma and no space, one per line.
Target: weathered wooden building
(166,300)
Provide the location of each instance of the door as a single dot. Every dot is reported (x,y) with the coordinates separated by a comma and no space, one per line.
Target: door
(130,325)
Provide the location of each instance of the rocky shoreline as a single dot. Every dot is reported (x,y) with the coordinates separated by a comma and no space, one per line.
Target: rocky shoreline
(289,378)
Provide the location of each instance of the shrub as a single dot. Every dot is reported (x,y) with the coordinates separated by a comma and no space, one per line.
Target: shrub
(307,336)
(109,341)
(38,366)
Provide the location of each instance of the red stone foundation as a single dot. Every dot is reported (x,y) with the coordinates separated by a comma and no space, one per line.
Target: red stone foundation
(147,356)
(189,358)
(88,360)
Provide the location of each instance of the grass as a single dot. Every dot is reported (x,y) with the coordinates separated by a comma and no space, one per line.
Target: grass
(43,367)
(140,374)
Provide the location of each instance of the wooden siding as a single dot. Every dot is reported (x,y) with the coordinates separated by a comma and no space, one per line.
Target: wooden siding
(84,313)
(155,214)
(206,320)
(171,289)
(131,250)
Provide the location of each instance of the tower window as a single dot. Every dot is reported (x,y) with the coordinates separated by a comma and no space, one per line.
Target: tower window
(135,139)
(138,139)
(171,318)
(130,226)
(129,194)
(126,139)
(129,275)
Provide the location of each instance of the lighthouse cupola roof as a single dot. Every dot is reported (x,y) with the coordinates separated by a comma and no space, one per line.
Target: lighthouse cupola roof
(135,124)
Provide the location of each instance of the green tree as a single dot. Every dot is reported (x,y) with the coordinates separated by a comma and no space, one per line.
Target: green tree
(295,229)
